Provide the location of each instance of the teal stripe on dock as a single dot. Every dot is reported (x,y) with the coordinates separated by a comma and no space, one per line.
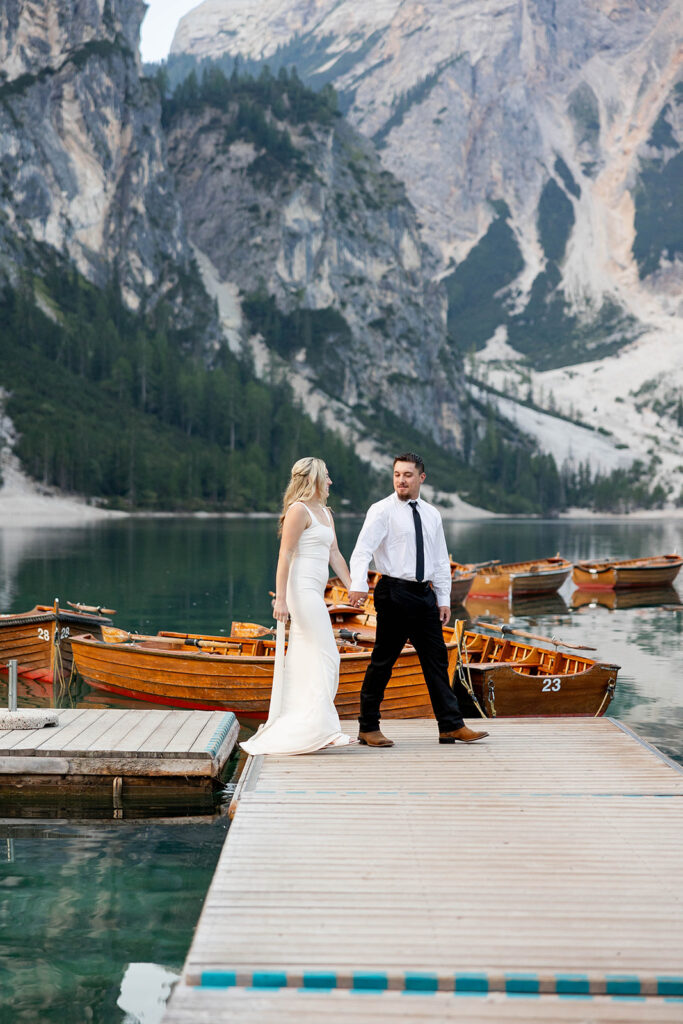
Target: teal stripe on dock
(224,727)
(670,986)
(421,981)
(269,979)
(218,979)
(319,979)
(622,985)
(370,981)
(471,983)
(572,984)
(527,983)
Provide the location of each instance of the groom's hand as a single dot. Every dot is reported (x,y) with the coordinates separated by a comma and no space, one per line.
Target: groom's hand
(357,598)
(444,614)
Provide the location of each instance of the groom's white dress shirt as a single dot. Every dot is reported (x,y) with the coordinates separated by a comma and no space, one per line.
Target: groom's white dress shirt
(388,536)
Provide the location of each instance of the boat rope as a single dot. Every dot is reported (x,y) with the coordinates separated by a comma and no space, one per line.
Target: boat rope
(462,670)
(609,693)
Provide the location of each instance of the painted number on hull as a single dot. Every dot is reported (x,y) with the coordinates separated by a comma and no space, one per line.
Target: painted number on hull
(551,684)
(43,634)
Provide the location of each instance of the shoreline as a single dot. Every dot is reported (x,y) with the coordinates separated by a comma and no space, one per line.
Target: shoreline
(25,504)
(20,512)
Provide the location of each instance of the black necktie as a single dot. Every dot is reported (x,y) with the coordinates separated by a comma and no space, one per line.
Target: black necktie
(419,544)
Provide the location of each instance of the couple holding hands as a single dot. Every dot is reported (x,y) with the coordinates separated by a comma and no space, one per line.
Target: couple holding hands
(404,535)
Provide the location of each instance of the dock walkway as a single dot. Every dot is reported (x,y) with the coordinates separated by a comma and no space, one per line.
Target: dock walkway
(544,863)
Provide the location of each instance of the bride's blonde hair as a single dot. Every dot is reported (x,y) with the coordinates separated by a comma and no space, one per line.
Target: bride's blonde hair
(307,481)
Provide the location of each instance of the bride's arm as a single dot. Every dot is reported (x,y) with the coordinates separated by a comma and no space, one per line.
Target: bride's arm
(338,562)
(292,528)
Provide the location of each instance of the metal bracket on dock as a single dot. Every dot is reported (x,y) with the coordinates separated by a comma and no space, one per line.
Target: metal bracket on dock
(117,796)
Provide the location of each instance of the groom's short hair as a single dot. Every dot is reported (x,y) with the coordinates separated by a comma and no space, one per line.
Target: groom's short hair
(411,457)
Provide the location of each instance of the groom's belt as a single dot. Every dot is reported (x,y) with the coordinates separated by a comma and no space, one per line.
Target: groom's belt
(411,584)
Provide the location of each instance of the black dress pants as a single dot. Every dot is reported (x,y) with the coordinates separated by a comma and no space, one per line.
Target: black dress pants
(408,611)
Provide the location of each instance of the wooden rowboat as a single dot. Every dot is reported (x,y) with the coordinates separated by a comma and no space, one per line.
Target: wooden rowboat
(235,673)
(40,639)
(503,676)
(541,576)
(657,571)
(462,577)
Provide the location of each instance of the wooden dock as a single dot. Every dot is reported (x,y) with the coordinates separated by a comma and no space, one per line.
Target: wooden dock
(543,863)
(126,756)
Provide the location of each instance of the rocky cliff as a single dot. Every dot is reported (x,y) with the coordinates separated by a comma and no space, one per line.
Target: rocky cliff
(82,162)
(297,213)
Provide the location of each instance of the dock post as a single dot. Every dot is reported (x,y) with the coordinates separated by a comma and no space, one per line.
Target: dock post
(12,685)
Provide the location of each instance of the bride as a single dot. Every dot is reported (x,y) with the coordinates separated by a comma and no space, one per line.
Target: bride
(302,716)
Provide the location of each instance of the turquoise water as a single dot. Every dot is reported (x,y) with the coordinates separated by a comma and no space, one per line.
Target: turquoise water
(96,916)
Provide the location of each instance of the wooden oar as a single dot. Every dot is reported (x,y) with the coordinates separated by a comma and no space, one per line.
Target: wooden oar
(122,635)
(95,609)
(509,631)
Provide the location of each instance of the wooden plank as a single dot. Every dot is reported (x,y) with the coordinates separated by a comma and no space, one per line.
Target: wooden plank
(119,726)
(95,734)
(148,722)
(550,850)
(166,732)
(186,736)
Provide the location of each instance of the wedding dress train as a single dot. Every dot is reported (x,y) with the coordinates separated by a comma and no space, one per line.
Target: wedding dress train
(302,716)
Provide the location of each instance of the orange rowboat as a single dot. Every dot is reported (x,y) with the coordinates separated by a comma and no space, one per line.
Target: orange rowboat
(541,576)
(40,639)
(658,571)
(235,673)
(511,678)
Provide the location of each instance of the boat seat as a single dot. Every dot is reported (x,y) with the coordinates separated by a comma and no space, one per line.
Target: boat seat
(496,664)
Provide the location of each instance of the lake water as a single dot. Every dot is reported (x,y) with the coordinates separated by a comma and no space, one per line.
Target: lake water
(96,916)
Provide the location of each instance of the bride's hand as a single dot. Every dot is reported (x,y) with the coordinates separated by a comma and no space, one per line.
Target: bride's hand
(280,609)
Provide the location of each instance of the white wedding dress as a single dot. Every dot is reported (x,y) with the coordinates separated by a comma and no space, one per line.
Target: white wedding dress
(302,716)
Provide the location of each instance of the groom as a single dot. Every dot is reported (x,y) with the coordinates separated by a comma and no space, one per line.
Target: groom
(404,535)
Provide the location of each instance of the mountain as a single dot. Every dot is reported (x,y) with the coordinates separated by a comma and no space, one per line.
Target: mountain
(82,168)
(541,146)
(290,207)
(115,379)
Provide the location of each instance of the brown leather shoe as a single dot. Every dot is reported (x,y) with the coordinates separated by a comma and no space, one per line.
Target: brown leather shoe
(463,735)
(374,739)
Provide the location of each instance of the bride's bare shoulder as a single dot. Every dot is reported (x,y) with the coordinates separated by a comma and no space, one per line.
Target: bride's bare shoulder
(298,512)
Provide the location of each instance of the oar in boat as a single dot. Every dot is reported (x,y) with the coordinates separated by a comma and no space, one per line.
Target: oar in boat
(116,635)
(509,631)
(94,609)
(481,565)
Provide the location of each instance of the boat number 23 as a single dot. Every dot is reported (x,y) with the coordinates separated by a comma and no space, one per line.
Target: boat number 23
(551,684)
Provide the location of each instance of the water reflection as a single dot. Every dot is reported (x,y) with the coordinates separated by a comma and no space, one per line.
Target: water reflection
(505,610)
(88,902)
(639,597)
